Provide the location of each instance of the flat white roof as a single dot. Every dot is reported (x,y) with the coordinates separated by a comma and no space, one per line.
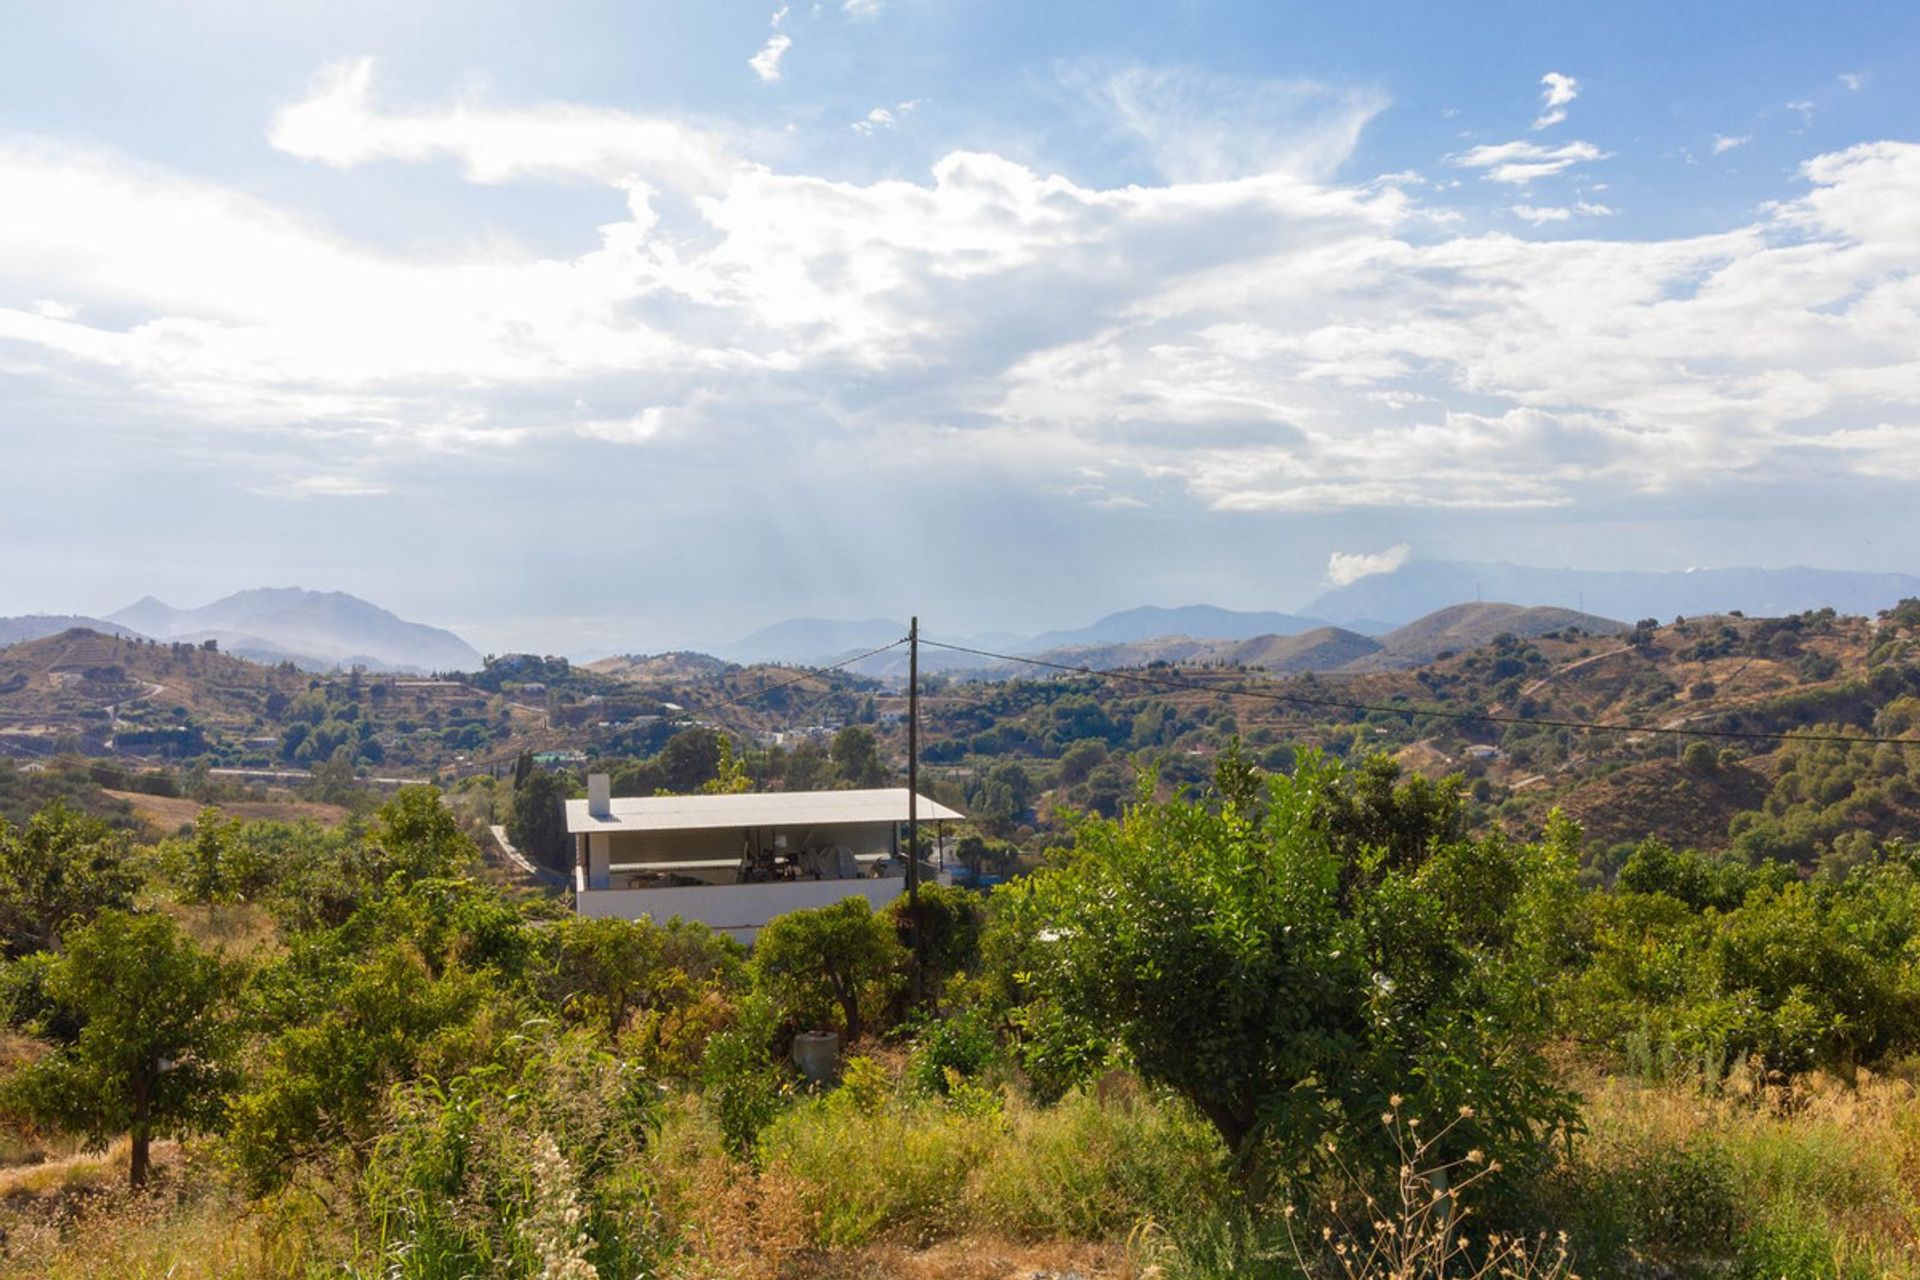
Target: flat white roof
(756,809)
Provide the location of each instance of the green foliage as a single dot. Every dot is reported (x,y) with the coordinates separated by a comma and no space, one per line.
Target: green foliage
(151,1055)
(743,1085)
(1707,966)
(1292,954)
(523,1168)
(856,758)
(833,966)
(537,824)
(61,868)
(606,970)
(950,919)
(348,1028)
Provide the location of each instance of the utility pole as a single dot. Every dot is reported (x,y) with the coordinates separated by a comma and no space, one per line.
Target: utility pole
(913,808)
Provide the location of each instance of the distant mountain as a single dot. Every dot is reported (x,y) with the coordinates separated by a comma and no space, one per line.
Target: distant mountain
(1424,586)
(1200,621)
(315,630)
(1457,628)
(810,641)
(35,626)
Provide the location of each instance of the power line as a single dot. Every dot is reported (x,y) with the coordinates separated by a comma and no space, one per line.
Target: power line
(807,675)
(1482,716)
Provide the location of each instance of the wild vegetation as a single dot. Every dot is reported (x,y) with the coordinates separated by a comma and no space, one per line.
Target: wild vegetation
(1295,1023)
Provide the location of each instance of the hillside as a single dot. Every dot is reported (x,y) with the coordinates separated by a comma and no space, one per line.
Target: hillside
(678,665)
(36,626)
(314,630)
(1468,626)
(1322,649)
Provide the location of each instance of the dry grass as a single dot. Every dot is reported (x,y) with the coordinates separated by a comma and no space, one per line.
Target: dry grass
(1842,1159)
(241,929)
(167,814)
(974,1258)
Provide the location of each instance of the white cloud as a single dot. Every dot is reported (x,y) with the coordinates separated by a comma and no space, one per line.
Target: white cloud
(1255,342)
(862,8)
(1540,216)
(884,118)
(1198,127)
(766,63)
(338,125)
(1519,163)
(1559,91)
(1723,143)
(779,16)
(1344,567)
(1854,80)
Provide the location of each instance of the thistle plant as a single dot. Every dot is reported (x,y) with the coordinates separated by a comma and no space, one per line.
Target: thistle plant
(1421,1228)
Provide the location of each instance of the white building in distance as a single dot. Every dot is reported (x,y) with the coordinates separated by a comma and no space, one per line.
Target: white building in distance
(734,862)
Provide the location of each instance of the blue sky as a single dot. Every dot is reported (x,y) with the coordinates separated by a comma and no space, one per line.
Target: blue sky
(599,326)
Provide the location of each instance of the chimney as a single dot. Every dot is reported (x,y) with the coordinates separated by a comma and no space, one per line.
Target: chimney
(599,796)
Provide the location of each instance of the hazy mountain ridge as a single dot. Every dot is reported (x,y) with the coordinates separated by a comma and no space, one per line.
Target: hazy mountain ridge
(1422,587)
(315,630)
(1330,649)
(1149,622)
(38,626)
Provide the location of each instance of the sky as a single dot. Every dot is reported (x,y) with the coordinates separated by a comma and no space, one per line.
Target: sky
(590,326)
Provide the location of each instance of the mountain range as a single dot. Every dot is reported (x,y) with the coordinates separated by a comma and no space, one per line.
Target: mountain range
(1422,586)
(314,630)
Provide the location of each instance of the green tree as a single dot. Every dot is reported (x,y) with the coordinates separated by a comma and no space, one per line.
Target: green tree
(205,873)
(951,919)
(538,823)
(690,759)
(856,757)
(605,969)
(151,1056)
(416,837)
(1296,951)
(840,960)
(62,866)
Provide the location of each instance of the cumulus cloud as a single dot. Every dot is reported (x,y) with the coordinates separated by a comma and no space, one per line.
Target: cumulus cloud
(766,63)
(1344,567)
(1256,341)
(1723,143)
(1853,80)
(1559,90)
(1520,163)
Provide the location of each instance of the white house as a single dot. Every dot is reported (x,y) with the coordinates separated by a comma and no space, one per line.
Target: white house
(734,862)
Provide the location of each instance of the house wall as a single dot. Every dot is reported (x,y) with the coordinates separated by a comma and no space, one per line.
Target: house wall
(738,910)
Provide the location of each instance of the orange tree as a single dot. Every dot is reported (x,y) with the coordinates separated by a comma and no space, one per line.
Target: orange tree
(1292,952)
